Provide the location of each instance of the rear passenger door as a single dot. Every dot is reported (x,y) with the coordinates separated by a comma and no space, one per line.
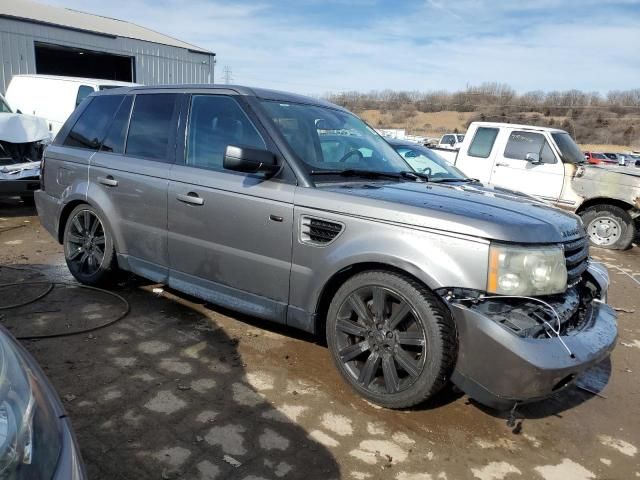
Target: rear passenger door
(128,179)
(230,233)
(477,160)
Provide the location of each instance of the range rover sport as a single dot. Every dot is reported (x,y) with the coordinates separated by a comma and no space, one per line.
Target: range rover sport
(295,211)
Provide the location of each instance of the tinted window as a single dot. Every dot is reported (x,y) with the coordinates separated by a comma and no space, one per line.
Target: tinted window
(151,125)
(83,92)
(214,123)
(482,142)
(521,143)
(568,148)
(91,126)
(114,141)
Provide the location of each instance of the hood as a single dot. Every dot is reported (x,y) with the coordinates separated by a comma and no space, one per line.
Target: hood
(464,208)
(627,174)
(20,128)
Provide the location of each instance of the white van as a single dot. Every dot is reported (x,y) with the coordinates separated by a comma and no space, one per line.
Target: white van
(51,97)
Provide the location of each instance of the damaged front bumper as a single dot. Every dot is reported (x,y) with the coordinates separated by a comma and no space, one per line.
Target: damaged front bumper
(503,360)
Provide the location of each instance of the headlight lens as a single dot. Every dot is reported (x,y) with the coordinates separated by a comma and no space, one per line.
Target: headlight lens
(16,411)
(515,270)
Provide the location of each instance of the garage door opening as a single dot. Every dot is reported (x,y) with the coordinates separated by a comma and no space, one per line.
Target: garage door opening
(76,62)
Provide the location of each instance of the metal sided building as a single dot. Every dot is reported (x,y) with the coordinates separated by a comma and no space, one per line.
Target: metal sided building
(38,38)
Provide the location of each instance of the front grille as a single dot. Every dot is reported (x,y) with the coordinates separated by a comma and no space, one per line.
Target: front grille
(319,232)
(576,254)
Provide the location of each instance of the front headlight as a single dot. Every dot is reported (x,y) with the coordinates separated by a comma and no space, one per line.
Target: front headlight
(16,412)
(29,435)
(527,271)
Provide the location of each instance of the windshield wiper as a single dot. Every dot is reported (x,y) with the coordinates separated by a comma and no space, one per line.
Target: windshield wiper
(352,172)
(415,175)
(451,180)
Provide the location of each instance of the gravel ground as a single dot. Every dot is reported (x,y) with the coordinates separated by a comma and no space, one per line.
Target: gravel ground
(183,389)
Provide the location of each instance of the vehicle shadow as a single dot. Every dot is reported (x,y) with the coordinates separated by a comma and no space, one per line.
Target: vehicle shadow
(164,392)
(11,207)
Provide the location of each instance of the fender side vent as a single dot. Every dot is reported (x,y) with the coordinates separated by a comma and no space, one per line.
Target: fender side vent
(315,231)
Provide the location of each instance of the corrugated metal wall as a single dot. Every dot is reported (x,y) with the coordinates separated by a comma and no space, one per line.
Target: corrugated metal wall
(155,64)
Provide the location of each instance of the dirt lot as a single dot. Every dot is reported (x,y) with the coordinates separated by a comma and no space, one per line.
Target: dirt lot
(181,389)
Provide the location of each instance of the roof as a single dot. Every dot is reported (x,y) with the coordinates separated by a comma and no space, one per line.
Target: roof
(67,18)
(262,93)
(90,81)
(520,127)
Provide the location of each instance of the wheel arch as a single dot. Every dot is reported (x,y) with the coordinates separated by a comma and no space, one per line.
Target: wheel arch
(336,280)
(597,201)
(66,212)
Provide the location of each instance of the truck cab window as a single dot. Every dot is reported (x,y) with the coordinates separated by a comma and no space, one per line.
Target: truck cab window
(482,142)
(521,143)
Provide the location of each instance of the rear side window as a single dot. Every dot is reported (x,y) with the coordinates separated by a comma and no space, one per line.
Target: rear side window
(482,142)
(114,141)
(83,92)
(91,126)
(214,123)
(151,126)
(521,143)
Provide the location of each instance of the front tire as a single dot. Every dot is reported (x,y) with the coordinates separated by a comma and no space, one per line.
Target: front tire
(391,338)
(88,247)
(609,227)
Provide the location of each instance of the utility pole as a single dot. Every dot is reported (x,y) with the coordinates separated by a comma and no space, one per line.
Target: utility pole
(228,75)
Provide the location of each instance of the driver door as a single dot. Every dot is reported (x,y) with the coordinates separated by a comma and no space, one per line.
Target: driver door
(517,169)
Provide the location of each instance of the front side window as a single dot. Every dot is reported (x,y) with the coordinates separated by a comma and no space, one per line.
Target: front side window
(91,126)
(151,126)
(521,143)
(327,139)
(216,122)
(83,92)
(570,152)
(482,142)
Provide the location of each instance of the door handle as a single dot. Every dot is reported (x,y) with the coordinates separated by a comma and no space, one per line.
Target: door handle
(191,198)
(109,181)
(501,164)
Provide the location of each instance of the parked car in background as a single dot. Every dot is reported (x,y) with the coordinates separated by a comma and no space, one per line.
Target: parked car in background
(547,163)
(52,97)
(36,438)
(293,210)
(450,140)
(22,140)
(595,158)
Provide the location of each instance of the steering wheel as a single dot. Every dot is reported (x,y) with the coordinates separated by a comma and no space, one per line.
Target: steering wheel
(427,171)
(351,153)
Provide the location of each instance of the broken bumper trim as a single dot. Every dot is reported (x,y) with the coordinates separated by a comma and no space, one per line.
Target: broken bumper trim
(497,368)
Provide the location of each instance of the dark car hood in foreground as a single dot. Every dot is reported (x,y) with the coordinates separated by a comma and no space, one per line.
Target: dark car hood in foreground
(463,208)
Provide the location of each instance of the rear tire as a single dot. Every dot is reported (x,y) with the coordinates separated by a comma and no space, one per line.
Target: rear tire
(609,227)
(391,338)
(88,247)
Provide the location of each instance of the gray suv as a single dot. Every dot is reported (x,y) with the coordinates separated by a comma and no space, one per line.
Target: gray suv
(293,210)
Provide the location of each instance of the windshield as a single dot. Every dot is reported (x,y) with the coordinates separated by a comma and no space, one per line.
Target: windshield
(4,107)
(423,160)
(328,139)
(568,148)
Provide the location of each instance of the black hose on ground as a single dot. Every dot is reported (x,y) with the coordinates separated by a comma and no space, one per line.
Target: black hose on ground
(49,289)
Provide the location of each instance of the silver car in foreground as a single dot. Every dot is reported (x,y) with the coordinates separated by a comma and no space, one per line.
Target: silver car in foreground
(293,210)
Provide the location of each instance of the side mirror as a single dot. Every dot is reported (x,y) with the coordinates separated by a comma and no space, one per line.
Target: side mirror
(249,160)
(18,111)
(533,158)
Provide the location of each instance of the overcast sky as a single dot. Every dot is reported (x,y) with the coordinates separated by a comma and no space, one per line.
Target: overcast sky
(318,46)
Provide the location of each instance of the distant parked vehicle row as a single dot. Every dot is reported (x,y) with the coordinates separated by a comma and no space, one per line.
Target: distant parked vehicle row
(53,97)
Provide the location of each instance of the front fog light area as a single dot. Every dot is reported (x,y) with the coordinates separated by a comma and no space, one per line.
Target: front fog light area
(527,271)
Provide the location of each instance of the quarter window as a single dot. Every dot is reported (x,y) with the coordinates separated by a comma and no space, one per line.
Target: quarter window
(482,142)
(520,143)
(214,123)
(114,141)
(91,127)
(151,125)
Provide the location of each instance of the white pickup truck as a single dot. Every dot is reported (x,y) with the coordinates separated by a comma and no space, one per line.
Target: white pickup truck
(547,163)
